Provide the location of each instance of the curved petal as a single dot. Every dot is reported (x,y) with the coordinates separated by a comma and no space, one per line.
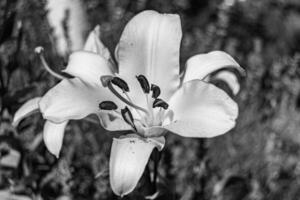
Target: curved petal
(201,110)
(128,158)
(229,78)
(88,66)
(53,135)
(94,44)
(150,45)
(74,99)
(201,65)
(28,108)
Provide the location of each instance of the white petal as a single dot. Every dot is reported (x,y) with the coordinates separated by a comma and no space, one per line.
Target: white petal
(150,45)
(128,158)
(201,65)
(201,110)
(74,99)
(28,108)
(53,136)
(94,44)
(88,66)
(229,78)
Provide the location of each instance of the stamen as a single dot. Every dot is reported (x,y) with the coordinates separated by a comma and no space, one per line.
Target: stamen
(120,83)
(160,115)
(112,89)
(155,91)
(160,103)
(108,105)
(150,108)
(39,51)
(138,111)
(127,116)
(144,83)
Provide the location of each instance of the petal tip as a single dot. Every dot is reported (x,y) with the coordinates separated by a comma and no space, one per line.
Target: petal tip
(54,152)
(57,156)
(128,158)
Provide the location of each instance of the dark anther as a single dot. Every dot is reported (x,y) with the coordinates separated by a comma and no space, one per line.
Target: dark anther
(155,91)
(127,116)
(120,83)
(108,105)
(144,83)
(160,103)
(105,80)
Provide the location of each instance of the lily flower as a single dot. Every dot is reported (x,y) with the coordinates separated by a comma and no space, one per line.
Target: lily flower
(144,95)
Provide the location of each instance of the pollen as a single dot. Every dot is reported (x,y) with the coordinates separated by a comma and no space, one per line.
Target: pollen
(155,91)
(144,83)
(120,83)
(160,103)
(108,105)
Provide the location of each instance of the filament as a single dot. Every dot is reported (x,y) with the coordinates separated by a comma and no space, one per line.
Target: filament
(112,89)
(138,111)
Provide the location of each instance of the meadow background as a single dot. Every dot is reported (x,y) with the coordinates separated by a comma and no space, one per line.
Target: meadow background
(258,160)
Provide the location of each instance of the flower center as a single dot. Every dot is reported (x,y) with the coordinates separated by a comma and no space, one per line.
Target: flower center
(152,116)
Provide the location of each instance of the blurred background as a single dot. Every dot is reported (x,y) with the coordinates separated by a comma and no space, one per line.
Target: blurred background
(258,160)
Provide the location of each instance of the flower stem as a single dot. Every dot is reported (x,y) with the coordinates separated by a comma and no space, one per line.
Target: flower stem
(156,159)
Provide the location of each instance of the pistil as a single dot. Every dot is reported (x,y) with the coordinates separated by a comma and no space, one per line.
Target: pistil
(39,51)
